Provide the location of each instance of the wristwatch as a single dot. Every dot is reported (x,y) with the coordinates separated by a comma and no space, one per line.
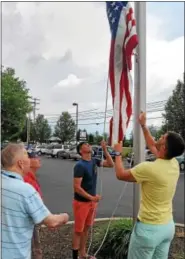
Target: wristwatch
(117,153)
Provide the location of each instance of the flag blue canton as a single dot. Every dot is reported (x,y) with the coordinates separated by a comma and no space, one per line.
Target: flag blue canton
(114,10)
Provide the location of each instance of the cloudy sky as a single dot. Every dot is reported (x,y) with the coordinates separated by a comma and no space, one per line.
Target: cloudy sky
(62,51)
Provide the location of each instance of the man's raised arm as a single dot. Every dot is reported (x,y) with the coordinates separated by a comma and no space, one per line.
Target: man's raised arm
(108,162)
(150,142)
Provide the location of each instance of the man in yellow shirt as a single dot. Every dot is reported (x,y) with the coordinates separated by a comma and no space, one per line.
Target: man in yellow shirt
(155,228)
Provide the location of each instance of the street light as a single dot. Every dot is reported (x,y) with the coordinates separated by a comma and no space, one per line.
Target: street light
(76,104)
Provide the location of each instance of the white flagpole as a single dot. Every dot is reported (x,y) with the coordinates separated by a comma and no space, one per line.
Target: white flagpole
(139,96)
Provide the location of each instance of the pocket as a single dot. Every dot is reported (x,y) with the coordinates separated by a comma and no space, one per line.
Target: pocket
(144,233)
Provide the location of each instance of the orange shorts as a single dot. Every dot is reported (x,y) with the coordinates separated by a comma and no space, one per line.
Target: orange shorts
(84,214)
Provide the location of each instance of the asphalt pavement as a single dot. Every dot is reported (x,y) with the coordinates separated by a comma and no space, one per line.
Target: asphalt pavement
(56,175)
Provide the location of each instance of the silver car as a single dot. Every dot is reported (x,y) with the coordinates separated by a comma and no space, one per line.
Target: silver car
(74,155)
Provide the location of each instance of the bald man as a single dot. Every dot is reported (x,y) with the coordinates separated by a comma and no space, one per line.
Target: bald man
(22,207)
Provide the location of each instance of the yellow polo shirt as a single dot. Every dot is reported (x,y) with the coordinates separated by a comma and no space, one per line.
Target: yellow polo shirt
(158,181)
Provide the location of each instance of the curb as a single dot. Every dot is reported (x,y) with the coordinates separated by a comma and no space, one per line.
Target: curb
(116,218)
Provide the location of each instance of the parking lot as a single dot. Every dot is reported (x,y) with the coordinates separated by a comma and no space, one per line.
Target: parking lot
(55,177)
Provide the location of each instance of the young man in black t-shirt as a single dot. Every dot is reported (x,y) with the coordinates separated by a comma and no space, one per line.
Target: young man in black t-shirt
(85,197)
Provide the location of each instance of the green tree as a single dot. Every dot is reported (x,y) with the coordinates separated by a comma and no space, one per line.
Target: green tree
(98,138)
(155,131)
(105,136)
(15,104)
(91,138)
(23,134)
(41,130)
(65,128)
(126,142)
(174,114)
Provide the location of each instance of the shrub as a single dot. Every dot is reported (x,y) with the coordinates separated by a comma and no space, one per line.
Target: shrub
(117,240)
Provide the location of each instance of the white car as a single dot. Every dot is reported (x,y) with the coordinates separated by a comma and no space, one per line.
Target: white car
(58,148)
(41,149)
(49,149)
(73,154)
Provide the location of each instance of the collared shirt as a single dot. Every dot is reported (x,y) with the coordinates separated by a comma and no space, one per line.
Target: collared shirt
(22,208)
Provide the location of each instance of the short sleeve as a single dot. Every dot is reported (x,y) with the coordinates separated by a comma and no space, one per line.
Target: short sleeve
(141,172)
(35,207)
(78,171)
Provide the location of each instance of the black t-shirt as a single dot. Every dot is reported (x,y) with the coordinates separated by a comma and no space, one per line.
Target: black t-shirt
(87,170)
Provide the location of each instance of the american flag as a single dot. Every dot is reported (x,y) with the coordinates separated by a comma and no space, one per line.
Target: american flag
(123,41)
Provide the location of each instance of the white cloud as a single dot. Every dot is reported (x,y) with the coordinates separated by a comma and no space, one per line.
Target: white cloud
(70,82)
(62,50)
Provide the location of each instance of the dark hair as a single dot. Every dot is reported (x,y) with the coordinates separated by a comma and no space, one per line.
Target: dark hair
(79,146)
(175,145)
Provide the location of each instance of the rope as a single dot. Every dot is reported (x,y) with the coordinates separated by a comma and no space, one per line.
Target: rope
(111,218)
(101,189)
(101,170)
(114,211)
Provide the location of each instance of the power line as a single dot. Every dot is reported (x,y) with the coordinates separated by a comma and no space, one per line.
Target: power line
(160,117)
(95,111)
(58,114)
(97,123)
(109,115)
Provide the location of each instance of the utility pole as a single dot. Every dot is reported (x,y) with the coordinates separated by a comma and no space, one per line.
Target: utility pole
(35,103)
(28,130)
(76,104)
(139,96)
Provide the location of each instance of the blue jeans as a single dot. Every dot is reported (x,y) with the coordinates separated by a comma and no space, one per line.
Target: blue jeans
(151,241)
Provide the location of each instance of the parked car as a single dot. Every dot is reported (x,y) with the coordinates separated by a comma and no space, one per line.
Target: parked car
(49,149)
(41,149)
(181,160)
(74,155)
(69,154)
(64,154)
(149,156)
(57,148)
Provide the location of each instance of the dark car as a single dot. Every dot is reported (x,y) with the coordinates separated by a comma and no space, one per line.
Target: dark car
(97,152)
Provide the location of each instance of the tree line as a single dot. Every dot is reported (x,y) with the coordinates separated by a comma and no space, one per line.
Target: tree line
(15,107)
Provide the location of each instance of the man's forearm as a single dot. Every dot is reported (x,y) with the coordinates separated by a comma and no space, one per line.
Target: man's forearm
(83,193)
(148,137)
(119,167)
(109,160)
(53,221)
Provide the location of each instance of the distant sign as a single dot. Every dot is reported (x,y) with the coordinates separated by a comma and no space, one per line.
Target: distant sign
(83,135)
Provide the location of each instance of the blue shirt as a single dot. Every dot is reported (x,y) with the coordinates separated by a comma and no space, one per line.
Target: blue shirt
(22,208)
(87,170)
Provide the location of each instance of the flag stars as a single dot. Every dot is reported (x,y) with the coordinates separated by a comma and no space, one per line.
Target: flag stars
(116,8)
(110,15)
(113,4)
(113,20)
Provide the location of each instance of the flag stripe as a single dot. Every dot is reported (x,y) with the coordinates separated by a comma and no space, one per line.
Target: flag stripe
(124,40)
